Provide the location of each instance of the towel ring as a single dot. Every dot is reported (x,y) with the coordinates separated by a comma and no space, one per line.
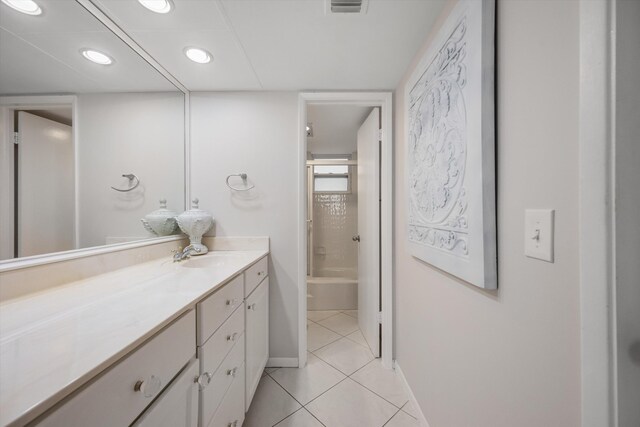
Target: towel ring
(130,177)
(242,176)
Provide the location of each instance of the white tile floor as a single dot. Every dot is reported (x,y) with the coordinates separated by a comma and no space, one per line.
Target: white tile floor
(343,385)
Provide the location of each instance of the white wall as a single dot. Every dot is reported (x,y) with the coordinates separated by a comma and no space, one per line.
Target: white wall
(628,210)
(255,133)
(140,133)
(509,357)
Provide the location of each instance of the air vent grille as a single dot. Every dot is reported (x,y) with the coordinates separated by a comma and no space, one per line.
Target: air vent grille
(347,6)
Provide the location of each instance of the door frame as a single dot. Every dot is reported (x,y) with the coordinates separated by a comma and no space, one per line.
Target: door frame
(384,100)
(42,102)
(597,213)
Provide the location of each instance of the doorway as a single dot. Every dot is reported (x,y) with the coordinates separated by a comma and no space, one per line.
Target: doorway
(38,174)
(345,223)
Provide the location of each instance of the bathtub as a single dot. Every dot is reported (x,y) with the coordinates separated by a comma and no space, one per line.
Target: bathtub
(333,292)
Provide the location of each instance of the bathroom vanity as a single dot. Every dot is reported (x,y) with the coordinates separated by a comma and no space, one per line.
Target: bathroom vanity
(156,344)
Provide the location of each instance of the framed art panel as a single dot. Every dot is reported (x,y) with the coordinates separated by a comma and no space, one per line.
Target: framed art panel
(450,113)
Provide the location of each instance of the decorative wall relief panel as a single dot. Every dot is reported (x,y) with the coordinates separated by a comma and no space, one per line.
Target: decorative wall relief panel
(451,148)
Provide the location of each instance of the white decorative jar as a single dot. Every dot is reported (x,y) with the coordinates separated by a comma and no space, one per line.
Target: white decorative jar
(161,222)
(194,223)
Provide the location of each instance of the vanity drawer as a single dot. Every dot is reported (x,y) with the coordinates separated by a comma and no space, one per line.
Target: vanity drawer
(255,274)
(214,351)
(178,405)
(231,410)
(212,392)
(118,396)
(213,311)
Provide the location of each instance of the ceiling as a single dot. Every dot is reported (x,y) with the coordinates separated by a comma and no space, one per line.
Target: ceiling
(281,44)
(335,128)
(256,45)
(41,54)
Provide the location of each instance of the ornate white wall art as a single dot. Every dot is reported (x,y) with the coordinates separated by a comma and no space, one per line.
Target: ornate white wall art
(451,148)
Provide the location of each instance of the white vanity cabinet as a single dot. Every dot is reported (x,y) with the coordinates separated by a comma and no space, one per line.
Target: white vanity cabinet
(201,370)
(221,363)
(233,346)
(257,337)
(121,394)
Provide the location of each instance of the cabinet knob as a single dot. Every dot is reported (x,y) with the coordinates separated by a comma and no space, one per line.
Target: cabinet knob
(232,302)
(233,424)
(148,388)
(260,273)
(204,379)
(232,372)
(232,337)
(252,307)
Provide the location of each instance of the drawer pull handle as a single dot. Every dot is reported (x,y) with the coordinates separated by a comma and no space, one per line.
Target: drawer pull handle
(148,388)
(232,337)
(252,307)
(232,372)
(204,379)
(233,424)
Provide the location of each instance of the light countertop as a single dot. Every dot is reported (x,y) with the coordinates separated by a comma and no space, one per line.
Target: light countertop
(53,341)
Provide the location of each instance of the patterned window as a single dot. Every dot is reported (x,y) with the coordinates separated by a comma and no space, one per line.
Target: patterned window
(331,179)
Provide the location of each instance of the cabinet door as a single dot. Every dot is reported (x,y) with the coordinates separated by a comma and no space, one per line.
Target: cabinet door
(230,413)
(256,337)
(178,405)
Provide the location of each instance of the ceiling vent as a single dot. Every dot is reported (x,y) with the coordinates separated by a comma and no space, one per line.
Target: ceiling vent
(347,6)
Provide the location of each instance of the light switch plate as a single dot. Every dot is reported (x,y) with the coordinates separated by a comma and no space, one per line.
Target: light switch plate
(538,234)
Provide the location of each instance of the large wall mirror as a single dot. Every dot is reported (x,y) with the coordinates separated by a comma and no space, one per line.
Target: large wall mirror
(91,135)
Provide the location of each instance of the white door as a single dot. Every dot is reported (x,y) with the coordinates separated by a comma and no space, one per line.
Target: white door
(46,195)
(369,230)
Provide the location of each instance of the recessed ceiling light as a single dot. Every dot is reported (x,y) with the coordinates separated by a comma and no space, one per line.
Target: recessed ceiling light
(157,6)
(96,56)
(28,7)
(198,55)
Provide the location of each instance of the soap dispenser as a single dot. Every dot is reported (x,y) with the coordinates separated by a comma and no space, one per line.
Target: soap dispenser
(194,223)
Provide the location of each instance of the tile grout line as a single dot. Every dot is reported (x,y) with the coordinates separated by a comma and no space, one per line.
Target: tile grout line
(338,369)
(347,376)
(313,351)
(324,392)
(342,380)
(317,321)
(304,406)
(314,416)
(294,399)
(373,391)
(341,336)
(290,415)
(389,420)
(403,410)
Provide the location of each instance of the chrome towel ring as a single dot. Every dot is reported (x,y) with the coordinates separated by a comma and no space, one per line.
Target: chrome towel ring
(131,177)
(242,176)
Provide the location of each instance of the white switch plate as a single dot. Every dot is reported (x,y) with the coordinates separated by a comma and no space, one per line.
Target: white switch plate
(538,234)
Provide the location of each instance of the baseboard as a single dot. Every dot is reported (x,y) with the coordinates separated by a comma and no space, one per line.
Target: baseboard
(421,418)
(282,362)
